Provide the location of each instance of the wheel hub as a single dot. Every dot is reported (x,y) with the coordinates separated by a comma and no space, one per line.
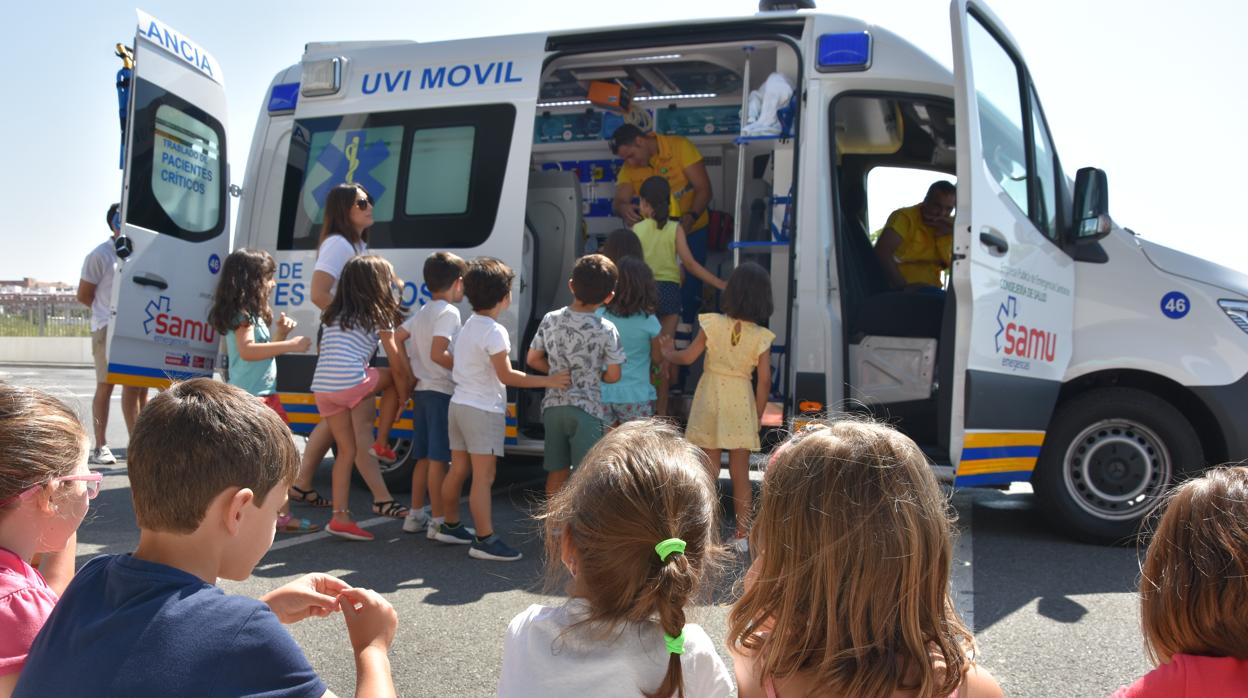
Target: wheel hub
(1117,467)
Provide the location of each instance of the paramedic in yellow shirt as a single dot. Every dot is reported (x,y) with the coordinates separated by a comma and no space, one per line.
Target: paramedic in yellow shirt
(673,158)
(917,242)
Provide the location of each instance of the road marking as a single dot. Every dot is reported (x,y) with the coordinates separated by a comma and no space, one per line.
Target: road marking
(963,581)
(301,538)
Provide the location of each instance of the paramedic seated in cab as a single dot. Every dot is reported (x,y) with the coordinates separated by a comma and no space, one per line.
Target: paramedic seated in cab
(917,241)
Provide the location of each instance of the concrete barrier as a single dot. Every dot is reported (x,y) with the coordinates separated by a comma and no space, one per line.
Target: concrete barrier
(46,350)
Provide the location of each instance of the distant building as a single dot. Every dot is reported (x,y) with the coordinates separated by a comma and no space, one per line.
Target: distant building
(28,285)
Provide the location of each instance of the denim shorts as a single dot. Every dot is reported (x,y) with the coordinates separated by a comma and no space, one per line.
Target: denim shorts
(669,298)
(429,426)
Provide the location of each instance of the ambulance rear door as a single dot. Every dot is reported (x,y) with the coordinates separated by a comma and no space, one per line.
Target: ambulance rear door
(1013,279)
(175,212)
(438,134)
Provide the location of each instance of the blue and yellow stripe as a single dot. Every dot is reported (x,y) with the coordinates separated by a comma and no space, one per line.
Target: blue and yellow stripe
(143,377)
(998,457)
(301,409)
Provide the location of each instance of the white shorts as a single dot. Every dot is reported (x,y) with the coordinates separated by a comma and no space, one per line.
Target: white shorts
(476,431)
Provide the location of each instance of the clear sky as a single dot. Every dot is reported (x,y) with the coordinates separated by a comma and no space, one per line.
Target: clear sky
(1150,91)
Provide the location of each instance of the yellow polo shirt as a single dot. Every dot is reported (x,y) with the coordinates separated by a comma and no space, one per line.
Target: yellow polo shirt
(675,154)
(922,253)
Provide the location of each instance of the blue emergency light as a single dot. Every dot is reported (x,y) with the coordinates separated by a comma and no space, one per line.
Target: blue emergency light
(283,97)
(842,52)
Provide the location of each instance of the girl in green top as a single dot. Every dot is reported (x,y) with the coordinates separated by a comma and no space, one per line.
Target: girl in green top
(240,311)
(662,243)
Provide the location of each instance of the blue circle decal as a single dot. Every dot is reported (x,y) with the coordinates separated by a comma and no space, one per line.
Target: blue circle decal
(214,264)
(1175,305)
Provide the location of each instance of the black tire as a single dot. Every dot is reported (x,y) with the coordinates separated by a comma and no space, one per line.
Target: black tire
(1108,458)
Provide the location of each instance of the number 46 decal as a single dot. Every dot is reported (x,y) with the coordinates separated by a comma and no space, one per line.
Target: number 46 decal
(1175,305)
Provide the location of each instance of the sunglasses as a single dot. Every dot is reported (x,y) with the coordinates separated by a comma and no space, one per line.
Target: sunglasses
(365,203)
(93,480)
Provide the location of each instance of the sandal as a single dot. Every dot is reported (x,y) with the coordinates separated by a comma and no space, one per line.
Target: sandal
(288,524)
(390,508)
(310,497)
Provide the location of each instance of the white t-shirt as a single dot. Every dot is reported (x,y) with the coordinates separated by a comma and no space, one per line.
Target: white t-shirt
(97,268)
(436,319)
(541,658)
(334,254)
(476,383)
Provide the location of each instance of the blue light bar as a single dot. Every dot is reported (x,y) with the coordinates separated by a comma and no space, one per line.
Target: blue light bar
(839,52)
(284,97)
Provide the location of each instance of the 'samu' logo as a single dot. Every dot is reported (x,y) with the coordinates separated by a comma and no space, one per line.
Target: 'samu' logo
(1020,341)
(161,321)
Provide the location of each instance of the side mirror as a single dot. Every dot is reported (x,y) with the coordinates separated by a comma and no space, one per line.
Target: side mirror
(1092,221)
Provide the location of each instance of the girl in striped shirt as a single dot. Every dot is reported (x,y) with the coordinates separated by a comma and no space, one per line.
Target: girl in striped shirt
(363,312)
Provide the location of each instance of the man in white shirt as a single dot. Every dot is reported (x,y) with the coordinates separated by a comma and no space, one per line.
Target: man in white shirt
(95,290)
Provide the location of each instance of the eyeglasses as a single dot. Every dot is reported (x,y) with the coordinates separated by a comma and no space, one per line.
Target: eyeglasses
(93,480)
(365,203)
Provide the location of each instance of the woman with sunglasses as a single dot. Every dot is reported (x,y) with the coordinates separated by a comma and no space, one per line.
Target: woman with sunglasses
(344,234)
(44,490)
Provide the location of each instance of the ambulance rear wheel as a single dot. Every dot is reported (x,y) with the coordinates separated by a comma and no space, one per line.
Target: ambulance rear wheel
(1108,458)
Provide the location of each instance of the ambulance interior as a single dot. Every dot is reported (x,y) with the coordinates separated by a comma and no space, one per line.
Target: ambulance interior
(895,360)
(698,92)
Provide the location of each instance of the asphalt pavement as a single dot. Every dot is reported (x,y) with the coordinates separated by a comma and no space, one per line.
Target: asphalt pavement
(1051,617)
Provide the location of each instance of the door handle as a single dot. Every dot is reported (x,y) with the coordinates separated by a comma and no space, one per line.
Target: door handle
(150,281)
(995,240)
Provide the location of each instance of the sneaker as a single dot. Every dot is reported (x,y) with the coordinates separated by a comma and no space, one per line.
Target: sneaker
(493,548)
(431,529)
(384,452)
(417,520)
(460,535)
(349,531)
(102,456)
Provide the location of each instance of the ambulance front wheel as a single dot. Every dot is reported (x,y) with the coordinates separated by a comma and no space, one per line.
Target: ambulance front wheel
(1108,458)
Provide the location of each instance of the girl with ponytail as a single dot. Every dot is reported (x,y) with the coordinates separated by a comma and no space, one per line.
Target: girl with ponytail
(635,532)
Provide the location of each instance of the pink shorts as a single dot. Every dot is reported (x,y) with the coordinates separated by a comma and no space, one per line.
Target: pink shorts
(329,404)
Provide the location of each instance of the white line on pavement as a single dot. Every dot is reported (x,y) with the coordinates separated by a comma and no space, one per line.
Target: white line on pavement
(963,581)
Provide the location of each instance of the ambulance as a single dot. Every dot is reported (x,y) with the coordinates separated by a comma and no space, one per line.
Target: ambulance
(1066,351)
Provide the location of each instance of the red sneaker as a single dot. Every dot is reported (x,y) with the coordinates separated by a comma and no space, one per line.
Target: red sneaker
(384,452)
(347,530)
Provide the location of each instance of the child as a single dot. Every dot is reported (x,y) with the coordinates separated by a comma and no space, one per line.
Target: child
(208,468)
(1193,591)
(621,243)
(632,313)
(575,338)
(240,311)
(44,490)
(426,340)
(363,311)
(852,519)
(635,530)
(663,242)
(477,422)
(725,413)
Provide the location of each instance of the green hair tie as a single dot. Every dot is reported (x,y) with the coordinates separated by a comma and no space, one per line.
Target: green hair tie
(675,645)
(666,547)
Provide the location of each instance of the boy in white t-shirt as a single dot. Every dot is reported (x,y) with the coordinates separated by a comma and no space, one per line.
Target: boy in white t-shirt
(477,420)
(426,339)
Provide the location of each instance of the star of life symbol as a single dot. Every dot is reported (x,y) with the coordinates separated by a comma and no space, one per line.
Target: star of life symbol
(153,308)
(353,165)
(1007,311)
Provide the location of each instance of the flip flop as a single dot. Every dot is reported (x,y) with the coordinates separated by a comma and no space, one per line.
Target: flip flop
(289,524)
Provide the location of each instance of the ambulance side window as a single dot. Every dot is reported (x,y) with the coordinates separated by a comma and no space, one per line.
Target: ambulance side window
(177,173)
(999,95)
(435,175)
(1045,212)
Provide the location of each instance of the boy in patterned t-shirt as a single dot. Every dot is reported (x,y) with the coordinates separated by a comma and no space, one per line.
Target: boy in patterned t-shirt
(574,339)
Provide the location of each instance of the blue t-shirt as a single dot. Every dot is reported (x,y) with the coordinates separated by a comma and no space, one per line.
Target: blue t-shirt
(256,377)
(636,332)
(128,627)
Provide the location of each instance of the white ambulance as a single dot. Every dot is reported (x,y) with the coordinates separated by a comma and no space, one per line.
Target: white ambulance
(1066,351)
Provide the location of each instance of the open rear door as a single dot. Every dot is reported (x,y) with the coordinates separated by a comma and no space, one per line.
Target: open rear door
(1013,283)
(174,210)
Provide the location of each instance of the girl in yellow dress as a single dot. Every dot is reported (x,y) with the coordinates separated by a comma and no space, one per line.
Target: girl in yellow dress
(726,412)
